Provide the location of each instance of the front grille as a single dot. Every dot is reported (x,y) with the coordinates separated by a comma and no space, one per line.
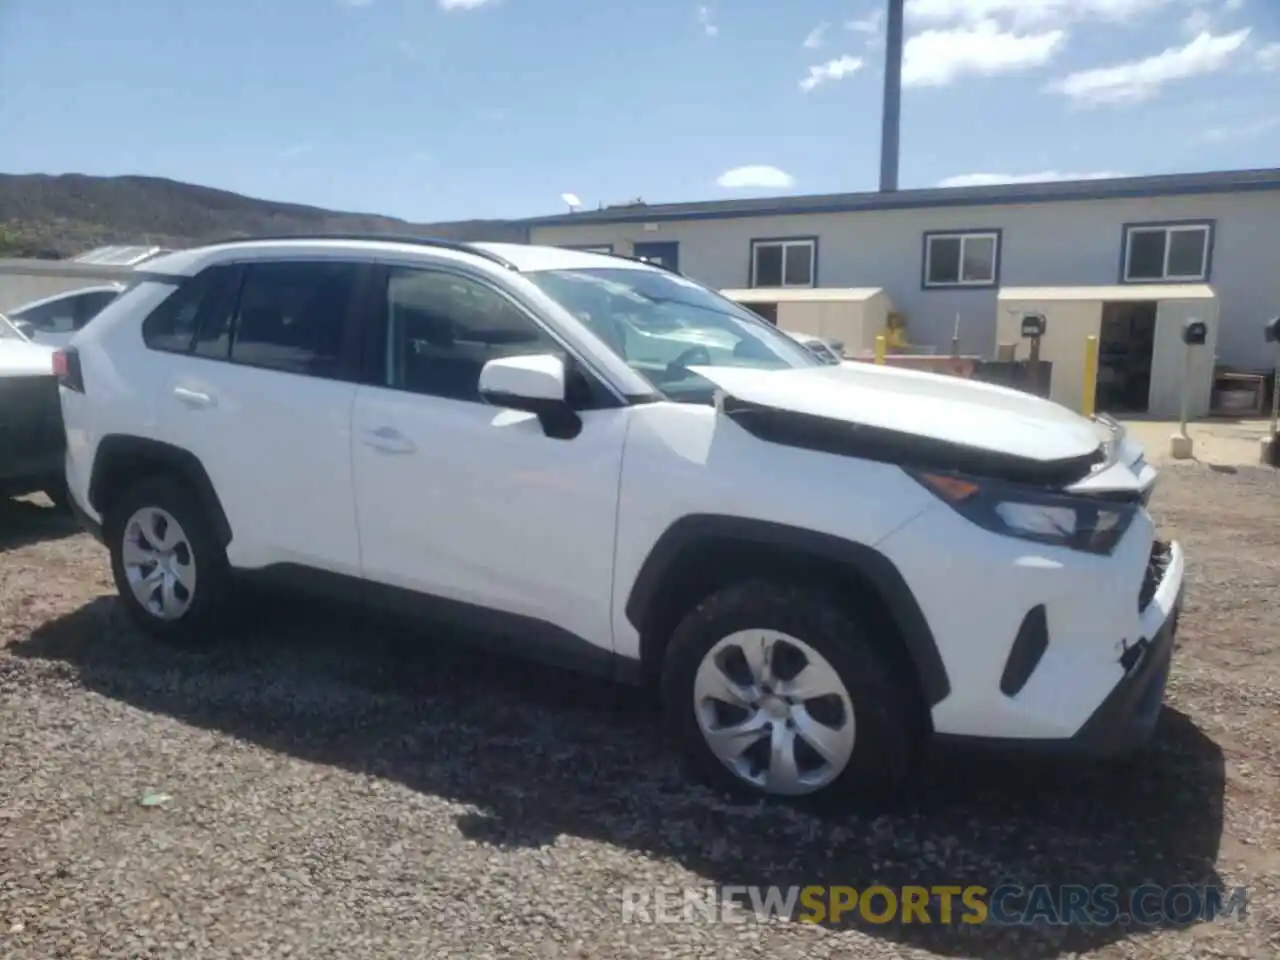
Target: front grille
(1157,564)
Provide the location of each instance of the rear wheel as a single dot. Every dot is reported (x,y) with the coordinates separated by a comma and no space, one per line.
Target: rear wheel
(170,571)
(774,689)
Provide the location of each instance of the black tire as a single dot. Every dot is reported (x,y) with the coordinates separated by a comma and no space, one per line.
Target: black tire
(886,745)
(211,599)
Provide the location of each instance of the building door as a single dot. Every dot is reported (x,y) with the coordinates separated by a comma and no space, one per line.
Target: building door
(666,254)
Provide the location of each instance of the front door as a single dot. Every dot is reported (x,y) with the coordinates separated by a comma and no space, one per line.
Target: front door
(666,254)
(471,504)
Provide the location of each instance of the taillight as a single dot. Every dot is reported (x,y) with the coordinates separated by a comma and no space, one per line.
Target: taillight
(66,367)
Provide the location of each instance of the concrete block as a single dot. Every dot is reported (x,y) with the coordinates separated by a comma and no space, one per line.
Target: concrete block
(1180,447)
(1269,451)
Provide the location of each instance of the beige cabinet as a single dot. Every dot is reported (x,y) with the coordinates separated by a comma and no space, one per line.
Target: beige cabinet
(854,316)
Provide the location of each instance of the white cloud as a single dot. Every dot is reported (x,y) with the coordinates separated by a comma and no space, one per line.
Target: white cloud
(463,4)
(1045,176)
(935,58)
(1197,21)
(1208,16)
(756,177)
(814,40)
(1029,14)
(836,69)
(1141,80)
(1269,57)
(1241,131)
(871,23)
(705,21)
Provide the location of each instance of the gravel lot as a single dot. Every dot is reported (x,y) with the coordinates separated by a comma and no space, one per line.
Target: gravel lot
(337,791)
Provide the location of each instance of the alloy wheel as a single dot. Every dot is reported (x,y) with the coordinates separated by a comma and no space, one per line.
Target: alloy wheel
(774,711)
(159,563)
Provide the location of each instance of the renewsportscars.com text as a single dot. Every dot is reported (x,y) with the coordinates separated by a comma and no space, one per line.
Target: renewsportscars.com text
(1003,905)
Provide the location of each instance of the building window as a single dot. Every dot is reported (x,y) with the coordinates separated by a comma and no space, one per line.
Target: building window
(786,262)
(961,259)
(1160,252)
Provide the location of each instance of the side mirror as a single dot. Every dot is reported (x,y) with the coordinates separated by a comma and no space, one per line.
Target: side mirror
(1271,330)
(537,384)
(1194,333)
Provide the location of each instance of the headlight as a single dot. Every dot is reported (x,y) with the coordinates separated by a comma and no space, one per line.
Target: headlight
(1093,525)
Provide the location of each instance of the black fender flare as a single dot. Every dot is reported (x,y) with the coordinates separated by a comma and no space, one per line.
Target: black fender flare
(119,455)
(873,566)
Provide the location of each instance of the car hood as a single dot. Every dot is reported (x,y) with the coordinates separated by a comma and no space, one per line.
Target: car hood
(933,421)
(20,358)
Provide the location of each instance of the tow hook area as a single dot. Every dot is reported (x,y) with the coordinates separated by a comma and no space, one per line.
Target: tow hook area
(1133,655)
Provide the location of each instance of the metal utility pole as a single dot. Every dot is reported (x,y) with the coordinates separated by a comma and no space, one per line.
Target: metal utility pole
(892,114)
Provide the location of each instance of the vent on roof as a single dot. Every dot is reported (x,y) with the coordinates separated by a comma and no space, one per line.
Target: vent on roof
(119,256)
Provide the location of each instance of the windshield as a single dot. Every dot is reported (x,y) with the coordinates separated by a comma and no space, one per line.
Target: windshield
(662,325)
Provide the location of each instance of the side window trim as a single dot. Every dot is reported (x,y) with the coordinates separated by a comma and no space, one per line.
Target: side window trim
(374,349)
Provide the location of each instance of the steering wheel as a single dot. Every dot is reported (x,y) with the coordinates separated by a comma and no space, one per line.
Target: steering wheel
(693,355)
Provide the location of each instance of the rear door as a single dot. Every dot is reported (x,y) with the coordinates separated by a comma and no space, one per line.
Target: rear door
(263,396)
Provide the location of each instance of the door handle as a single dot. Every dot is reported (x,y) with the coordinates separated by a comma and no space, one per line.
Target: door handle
(388,440)
(194,398)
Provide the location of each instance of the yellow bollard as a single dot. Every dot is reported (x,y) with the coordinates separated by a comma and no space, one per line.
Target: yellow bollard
(1090,392)
(880,348)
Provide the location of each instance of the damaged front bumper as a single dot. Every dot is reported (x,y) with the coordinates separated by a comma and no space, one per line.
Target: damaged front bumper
(1126,718)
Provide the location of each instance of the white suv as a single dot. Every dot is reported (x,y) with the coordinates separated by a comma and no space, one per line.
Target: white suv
(603,464)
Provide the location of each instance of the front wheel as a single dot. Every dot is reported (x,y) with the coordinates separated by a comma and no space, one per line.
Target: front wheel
(774,689)
(169,568)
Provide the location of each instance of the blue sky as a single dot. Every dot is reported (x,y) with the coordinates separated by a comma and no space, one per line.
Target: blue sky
(446,109)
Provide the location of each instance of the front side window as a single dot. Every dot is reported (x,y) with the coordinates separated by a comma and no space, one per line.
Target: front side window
(960,259)
(442,328)
(8,331)
(664,326)
(89,305)
(292,316)
(58,316)
(1176,252)
(783,263)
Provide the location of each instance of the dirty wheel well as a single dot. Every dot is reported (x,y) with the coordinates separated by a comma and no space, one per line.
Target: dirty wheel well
(122,462)
(704,567)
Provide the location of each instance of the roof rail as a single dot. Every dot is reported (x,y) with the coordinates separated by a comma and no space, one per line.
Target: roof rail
(437,242)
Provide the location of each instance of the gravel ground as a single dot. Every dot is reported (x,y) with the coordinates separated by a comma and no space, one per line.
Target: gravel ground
(338,791)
